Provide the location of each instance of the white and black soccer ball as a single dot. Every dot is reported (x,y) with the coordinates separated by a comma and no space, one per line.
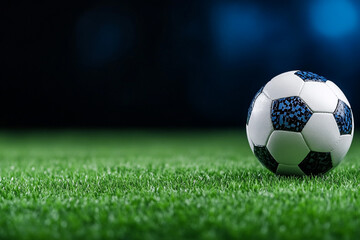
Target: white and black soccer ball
(300,123)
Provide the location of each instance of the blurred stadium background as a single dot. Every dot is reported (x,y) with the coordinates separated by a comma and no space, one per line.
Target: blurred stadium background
(165,63)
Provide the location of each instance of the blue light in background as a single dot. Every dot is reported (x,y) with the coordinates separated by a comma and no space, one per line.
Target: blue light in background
(333,18)
(99,37)
(237,29)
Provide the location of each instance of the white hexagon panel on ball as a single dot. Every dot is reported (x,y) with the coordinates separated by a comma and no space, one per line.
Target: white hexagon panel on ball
(340,149)
(321,132)
(289,170)
(288,148)
(319,97)
(337,92)
(260,126)
(249,140)
(284,85)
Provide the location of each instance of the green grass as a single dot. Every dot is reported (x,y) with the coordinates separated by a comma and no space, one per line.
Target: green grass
(165,185)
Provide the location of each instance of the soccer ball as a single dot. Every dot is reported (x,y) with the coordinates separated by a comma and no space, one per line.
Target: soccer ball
(300,123)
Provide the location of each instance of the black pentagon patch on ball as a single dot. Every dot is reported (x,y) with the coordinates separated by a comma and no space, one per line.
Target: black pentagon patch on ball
(290,114)
(316,163)
(252,105)
(310,76)
(343,117)
(264,156)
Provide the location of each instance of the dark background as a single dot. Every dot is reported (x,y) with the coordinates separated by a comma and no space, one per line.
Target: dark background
(165,63)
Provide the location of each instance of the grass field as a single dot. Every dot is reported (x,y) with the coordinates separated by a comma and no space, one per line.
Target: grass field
(165,185)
